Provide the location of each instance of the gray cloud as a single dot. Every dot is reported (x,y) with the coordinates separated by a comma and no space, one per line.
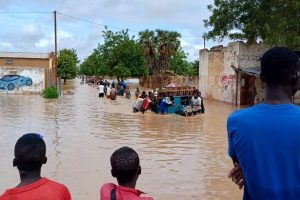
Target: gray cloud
(182,15)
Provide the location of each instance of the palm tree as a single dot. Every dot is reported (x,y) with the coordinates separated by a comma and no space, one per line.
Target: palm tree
(159,47)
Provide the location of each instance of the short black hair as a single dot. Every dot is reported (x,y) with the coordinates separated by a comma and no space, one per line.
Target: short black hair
(30,152)
(125,164)
(278,64)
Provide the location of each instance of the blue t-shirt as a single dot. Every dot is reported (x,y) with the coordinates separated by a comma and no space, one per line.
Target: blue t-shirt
(265,139)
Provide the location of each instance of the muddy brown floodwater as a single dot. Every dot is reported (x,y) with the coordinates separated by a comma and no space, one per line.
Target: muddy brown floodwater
(181,157)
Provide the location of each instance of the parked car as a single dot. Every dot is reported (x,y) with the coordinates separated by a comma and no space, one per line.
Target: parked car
(10,82)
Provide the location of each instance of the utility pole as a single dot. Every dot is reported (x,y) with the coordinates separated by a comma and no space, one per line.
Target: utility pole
(55,33)
(55,49)
(204,40)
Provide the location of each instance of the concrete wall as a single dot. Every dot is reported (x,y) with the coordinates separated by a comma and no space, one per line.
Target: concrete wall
(203,72)
(162,81)
(42,71)
(37,74)
(217,79)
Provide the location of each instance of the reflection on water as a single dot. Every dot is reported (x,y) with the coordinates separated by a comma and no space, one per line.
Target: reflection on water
(181,158)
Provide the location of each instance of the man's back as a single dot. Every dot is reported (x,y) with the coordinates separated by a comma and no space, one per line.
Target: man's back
(265,139)
(122,192)
(43,189)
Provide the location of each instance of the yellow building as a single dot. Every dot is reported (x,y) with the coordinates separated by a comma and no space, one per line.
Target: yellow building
(27,72)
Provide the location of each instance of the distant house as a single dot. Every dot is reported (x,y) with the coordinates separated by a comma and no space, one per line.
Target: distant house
(231,74)
(27,72)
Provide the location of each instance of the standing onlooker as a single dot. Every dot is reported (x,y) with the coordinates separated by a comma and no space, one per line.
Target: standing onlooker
(264,140)
(101,90)
(30,155)
(125,164)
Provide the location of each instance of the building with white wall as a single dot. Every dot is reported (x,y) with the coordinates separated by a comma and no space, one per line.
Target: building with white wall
(27,72)
(231,74)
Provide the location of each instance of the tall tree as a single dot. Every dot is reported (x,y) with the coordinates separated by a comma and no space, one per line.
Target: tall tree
(159,47)
(120,55)
(66,64)
(272,21)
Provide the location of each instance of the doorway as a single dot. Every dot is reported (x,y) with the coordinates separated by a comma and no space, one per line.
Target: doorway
(247,90)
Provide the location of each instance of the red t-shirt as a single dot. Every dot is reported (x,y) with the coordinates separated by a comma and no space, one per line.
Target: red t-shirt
(43,189)
(122,193)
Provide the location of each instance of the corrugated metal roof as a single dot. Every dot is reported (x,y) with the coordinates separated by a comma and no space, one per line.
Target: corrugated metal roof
(24,55)
(255,71)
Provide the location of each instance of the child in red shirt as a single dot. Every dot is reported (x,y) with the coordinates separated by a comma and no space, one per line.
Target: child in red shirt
(126,168)
(30,155)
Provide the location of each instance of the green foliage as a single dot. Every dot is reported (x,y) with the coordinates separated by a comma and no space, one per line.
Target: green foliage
(159,47)
(50,93)
(180,66)
(66,64)
(120,56)
(275,22)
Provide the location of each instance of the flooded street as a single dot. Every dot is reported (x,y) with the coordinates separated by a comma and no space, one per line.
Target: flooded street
(181,157)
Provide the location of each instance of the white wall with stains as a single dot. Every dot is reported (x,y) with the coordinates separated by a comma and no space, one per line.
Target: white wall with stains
(37,74)
(217,79)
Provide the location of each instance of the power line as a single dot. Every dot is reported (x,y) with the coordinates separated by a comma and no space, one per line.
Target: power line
(85,20)
(26,12)
(104,25)
(99,24)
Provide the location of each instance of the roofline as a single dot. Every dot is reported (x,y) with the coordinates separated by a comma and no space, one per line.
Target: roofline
(26,55)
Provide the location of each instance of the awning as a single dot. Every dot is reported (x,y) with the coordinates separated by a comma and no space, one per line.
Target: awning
(254,71)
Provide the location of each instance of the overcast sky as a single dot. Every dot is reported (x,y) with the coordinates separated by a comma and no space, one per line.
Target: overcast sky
(24,32)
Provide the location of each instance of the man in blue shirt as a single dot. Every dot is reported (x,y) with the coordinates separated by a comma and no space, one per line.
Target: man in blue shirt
(264,140)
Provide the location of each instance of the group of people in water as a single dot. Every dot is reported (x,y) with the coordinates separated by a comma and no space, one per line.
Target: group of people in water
(30,155)
(160,104)
(148,101)
(111,90)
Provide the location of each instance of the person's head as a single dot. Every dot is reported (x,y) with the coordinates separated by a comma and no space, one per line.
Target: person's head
(125,164)
(195,94)
(280,67)
(30,153)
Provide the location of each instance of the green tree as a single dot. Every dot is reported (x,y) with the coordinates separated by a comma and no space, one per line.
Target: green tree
(94,65)
(120,55)
(66,64)
(272,21)
(159,46)
(181,66)
(195,67)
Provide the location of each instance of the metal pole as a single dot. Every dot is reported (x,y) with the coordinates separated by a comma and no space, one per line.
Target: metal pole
(55,46)
(204,41)
(55,33)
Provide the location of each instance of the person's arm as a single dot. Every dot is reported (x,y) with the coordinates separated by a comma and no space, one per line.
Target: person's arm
(236,174)
(67,194)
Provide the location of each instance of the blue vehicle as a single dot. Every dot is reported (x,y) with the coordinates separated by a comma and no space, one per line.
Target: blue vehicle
(10,82)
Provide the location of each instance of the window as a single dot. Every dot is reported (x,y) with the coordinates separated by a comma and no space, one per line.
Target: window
(9,61)
(5,78)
